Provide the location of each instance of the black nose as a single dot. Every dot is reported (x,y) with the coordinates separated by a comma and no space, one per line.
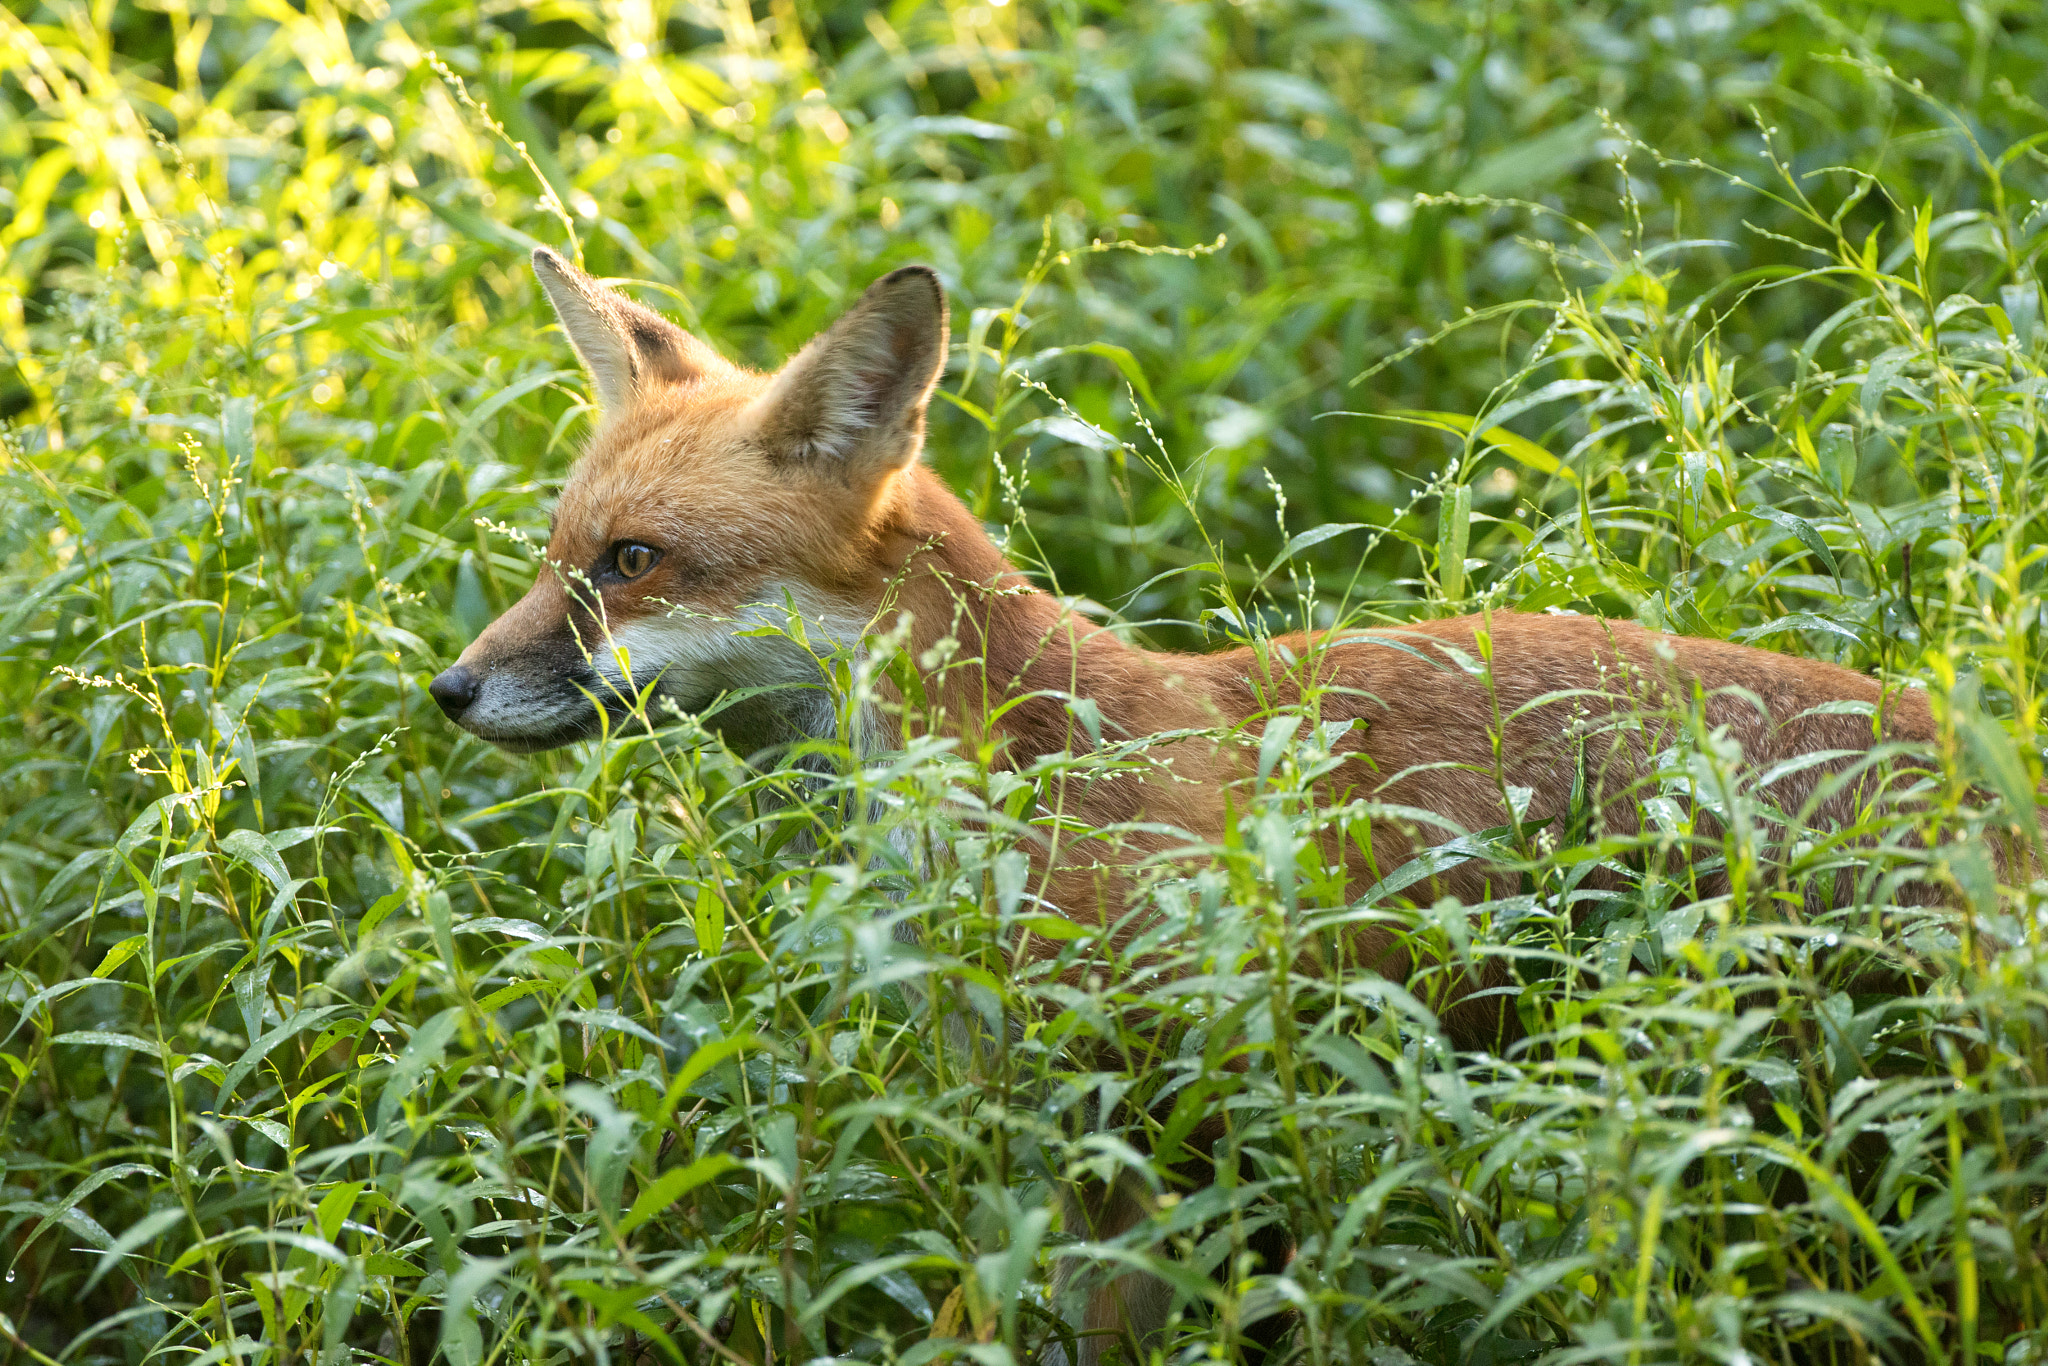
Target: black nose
(454,690)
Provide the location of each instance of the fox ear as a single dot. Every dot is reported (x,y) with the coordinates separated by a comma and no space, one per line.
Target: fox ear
(855,397)
(626,348)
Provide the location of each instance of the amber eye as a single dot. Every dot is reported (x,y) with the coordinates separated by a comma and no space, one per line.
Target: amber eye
(633,559)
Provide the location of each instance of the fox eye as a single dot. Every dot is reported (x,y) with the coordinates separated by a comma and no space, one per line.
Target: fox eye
(631,559)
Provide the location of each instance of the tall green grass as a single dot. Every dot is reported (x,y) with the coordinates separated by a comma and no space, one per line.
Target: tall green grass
(332,1035)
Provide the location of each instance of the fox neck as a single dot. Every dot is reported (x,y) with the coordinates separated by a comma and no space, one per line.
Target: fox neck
(1003,663)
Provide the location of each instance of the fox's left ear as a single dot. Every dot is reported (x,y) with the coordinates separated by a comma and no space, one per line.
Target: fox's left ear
(855,397)
(626,348)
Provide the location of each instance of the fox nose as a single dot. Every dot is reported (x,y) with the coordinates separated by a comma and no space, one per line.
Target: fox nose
(455,689)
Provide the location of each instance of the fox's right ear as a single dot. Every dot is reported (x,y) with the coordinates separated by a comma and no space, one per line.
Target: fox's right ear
(853,400)
(626,348)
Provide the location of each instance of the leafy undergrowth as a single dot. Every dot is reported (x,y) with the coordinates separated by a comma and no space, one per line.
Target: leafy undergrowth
(334,1035)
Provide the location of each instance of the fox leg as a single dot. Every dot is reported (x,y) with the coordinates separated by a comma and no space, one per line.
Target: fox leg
(1128,1309)
(1123,1313)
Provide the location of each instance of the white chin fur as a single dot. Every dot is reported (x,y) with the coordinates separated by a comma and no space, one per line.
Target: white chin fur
(696,658)
(700,656)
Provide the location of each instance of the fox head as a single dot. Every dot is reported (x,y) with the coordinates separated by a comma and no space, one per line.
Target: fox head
(708,499)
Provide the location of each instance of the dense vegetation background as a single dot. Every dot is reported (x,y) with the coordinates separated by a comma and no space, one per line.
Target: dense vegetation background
(330,1034)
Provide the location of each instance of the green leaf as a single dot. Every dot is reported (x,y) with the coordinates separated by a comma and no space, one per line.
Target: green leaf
(560,966)
(861,1274)
(1440,859)
(422,1053)
(613,1021)
(1011,875)
(143,826)
(505,996)
(1521,448)
(334,1209)
(1798,621)
(511,393)
(478,228)
(1273,741)
(238,430)
(374,917)
(462,1342)
(384,1264)
(90,858)
(120,954)
(1994,757)
(702,1060)
(1314,536)
(255,1053)
(1053,927)
(1529,453)
(1804,530)
(1453,534)
(144,1230)
(107,1039)
(1542,160)
(252,849)
(273,1131)
(1125,362)
(387,799)
(671,1186)
(66,1211)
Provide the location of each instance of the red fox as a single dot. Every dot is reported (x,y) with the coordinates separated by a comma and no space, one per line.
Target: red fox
(711,495)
